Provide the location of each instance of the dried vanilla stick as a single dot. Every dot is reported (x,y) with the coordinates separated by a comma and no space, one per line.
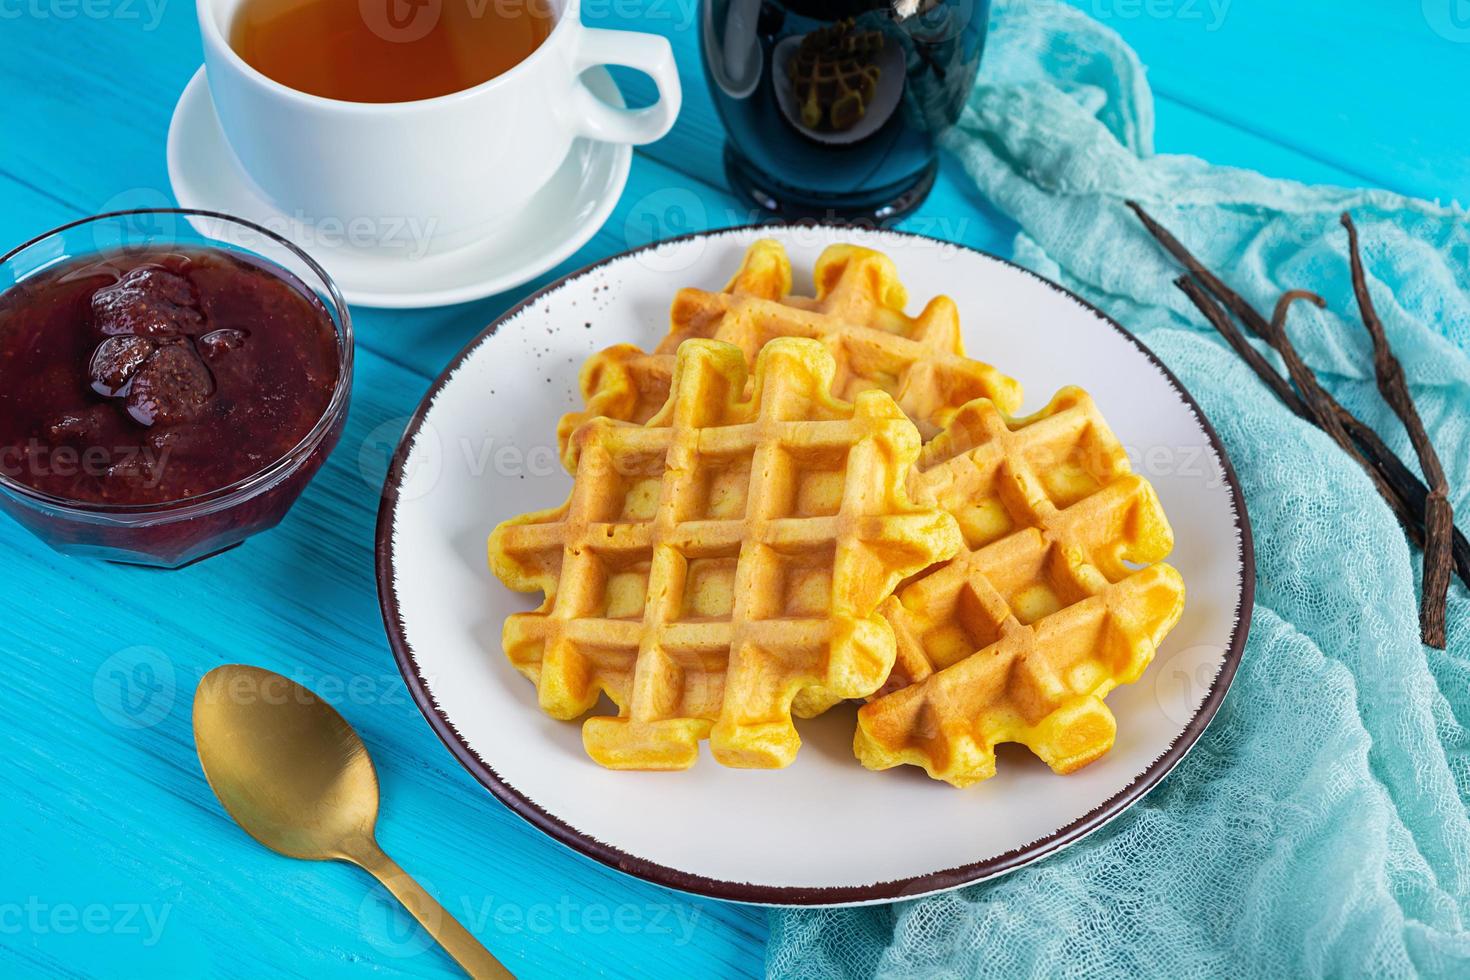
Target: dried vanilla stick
(1400,488)
(1439,519)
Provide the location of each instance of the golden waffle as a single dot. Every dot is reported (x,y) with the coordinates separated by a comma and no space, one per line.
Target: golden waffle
(857,314)
(718,561)
(1019,637)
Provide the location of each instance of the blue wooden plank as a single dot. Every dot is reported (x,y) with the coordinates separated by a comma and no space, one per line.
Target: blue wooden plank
(1368,87)
(118,859)
(1185,130)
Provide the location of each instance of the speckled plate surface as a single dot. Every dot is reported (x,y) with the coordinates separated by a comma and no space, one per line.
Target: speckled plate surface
(825,831)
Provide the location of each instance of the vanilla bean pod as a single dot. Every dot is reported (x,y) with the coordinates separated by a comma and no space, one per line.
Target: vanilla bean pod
(1220,320)
(1222,323)
(1409,497)
(1324,408)
(1438,515)
(1283,306)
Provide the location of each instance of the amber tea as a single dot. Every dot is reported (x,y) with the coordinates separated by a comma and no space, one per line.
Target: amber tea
(387,50)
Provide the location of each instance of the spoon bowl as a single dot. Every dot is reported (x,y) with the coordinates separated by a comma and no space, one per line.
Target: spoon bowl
(251,727)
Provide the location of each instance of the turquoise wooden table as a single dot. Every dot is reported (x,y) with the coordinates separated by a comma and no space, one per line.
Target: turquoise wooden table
(117,860)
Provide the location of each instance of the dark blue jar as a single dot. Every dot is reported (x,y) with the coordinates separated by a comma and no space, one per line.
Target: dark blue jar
(834,107)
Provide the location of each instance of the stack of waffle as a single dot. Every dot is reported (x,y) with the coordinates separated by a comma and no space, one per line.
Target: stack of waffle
(796,501)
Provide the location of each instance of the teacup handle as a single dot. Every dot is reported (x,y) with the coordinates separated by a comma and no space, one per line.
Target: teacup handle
(648,53)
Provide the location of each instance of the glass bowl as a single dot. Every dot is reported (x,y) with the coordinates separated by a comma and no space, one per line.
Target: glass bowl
(177,532)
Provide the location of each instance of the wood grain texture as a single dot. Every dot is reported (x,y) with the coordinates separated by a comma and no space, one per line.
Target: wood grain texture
(118,861)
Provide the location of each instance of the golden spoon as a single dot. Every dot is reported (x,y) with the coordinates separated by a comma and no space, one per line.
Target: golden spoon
(297,777)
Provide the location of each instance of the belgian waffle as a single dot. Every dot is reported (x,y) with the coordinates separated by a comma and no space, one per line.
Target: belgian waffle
(857,314)
(714,564)
(1046,609)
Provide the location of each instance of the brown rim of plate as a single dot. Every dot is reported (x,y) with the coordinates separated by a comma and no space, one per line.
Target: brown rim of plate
(795,895)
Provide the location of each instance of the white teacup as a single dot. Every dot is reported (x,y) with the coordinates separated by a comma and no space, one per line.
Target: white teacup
(454,164)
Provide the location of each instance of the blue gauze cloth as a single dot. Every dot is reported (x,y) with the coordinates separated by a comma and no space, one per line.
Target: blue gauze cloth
(1319,827)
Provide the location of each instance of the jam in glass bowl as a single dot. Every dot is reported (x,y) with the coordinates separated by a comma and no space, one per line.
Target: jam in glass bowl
(170,381)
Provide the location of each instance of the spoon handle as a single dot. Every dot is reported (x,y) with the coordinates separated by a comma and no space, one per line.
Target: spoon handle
(445,928)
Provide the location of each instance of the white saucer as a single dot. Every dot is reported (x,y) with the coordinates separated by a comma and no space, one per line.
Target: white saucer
(559,220)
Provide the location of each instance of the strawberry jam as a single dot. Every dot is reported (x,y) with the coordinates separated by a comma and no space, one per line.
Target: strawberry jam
(156,375)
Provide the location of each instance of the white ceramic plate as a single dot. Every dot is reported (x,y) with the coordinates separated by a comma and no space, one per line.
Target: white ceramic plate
(560,219)
(825,831)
